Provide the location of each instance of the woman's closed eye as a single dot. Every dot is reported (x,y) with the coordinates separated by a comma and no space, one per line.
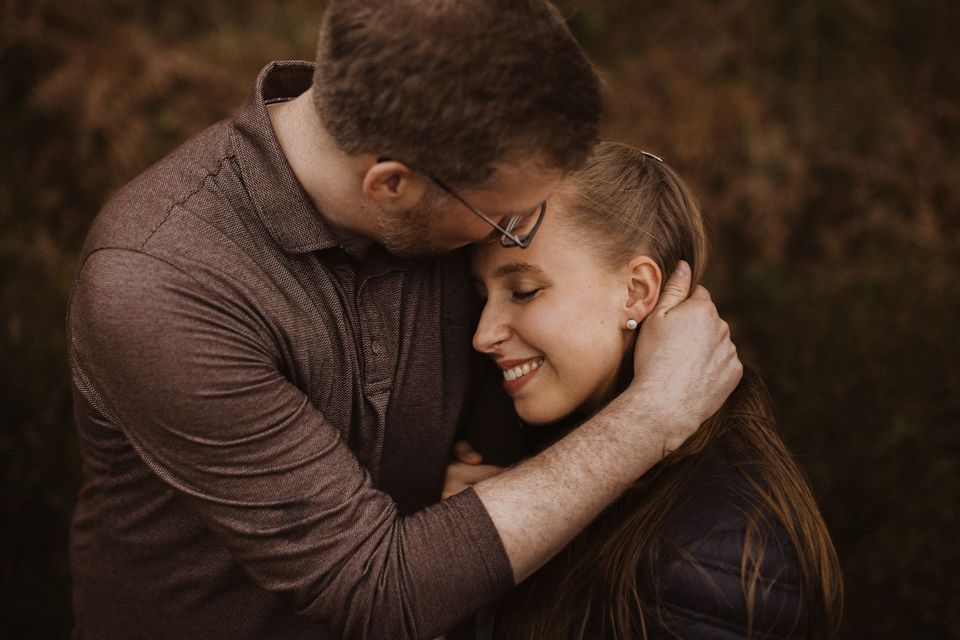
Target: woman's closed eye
(526,295)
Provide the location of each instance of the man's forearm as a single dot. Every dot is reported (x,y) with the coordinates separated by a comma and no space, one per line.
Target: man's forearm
(541,504)
(685,367)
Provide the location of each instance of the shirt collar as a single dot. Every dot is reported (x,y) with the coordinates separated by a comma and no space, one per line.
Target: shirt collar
(283,205)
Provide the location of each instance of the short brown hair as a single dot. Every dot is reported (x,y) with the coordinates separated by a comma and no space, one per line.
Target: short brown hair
(452,86)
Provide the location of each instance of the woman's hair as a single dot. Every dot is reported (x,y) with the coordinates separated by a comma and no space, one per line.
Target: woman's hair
(625,203)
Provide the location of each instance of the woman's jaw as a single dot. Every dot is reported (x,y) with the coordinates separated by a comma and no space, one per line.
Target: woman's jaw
(538,390)
(520,378)
(553,322)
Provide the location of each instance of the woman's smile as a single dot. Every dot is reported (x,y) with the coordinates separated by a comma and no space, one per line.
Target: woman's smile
(552,321)
(517,373)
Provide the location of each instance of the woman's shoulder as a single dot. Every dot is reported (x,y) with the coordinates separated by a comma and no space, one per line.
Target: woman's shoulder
(716,498)
(722,549)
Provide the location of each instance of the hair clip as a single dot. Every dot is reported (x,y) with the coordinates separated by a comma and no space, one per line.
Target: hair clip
(650,155)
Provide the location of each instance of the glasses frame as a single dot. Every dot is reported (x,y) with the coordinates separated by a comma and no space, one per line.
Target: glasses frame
(508,239)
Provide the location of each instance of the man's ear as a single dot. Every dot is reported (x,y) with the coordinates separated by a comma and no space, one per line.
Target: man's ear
(393,185)
(643,279)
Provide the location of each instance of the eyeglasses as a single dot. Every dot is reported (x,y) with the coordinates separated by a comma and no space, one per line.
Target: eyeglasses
(508,238)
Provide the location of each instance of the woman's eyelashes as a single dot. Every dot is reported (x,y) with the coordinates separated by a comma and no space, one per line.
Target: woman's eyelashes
(526,295)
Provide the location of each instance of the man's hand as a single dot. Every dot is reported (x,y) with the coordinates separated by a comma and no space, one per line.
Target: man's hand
(465,469)
(685,364)
(685,367)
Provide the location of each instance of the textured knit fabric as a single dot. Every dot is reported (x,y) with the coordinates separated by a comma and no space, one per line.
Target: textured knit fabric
(265,421)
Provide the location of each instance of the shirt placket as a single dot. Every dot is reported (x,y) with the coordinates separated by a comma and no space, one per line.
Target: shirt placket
(379,346)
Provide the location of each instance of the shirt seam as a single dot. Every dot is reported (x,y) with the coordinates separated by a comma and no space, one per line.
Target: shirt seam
(727,625)
(184,198)
(730,570)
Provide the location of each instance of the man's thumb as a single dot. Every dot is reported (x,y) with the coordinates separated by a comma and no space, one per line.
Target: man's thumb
(677,288)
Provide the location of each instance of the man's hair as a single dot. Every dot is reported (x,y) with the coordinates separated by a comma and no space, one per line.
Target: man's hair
(452,86)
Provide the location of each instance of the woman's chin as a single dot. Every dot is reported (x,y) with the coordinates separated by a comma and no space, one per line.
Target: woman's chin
(539,416)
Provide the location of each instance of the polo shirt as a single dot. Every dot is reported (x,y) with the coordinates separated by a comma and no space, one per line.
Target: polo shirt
(265,420)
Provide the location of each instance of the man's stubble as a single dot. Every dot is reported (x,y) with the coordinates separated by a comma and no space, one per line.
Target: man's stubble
(412,233)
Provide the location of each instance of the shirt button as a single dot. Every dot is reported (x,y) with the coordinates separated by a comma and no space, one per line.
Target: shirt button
(376,347)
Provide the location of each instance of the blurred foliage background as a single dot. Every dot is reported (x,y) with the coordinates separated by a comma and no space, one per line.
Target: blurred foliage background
(823,137)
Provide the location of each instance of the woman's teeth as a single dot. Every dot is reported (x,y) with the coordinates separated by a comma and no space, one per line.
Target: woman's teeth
(515,372)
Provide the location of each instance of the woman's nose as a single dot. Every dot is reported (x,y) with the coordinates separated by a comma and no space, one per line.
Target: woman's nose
(491,330)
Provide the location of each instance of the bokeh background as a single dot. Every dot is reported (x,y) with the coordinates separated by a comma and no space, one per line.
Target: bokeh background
(822,136)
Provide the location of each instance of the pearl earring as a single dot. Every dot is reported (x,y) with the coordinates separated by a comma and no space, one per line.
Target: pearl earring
(631,324)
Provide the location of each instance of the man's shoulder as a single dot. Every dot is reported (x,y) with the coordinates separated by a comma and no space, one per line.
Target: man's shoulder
(139,208)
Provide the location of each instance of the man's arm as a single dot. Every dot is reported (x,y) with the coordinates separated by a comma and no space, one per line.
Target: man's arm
(685,365)
(189,377)
(192,377)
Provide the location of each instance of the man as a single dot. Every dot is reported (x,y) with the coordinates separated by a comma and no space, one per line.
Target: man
(269,365)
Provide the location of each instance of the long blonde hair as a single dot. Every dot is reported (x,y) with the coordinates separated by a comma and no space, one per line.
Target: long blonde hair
(622,201)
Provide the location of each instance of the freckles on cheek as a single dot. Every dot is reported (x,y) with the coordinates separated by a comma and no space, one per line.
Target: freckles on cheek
(602,329)
(603,342)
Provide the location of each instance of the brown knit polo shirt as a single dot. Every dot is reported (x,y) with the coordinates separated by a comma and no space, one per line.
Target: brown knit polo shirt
(264,420)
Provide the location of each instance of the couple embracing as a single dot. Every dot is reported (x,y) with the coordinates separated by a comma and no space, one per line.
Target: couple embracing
(299,341)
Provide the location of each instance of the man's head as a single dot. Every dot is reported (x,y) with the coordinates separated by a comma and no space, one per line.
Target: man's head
(415,219)
(452,87)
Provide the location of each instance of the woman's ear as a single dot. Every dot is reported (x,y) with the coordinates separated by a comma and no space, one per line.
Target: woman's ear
(643,287)
(393,185)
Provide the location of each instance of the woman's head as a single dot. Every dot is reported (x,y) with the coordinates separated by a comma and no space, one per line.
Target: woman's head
(556,313)
(625,201)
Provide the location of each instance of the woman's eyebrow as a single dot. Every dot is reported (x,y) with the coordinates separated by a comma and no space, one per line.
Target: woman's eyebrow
(516,267)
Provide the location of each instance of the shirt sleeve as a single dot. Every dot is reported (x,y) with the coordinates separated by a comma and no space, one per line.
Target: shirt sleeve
(191,380)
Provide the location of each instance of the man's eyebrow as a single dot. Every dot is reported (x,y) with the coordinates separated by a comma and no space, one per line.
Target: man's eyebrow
(516,267)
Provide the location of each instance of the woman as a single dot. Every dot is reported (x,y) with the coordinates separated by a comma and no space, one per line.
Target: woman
(723,538)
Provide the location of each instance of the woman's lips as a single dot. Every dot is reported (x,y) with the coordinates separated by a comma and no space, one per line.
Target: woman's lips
(517,373)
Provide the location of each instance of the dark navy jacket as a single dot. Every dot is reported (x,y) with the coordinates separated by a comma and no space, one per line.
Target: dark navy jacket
(699,589)
(697,586)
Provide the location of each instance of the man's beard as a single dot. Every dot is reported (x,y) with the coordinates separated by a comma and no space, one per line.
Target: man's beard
(410,234)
